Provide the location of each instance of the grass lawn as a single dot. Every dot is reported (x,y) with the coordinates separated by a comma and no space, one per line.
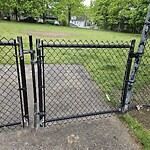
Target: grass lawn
(142,134)
(105,66)
(13,29)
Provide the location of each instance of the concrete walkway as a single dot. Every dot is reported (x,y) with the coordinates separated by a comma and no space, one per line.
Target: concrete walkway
(101,134)
(105,133)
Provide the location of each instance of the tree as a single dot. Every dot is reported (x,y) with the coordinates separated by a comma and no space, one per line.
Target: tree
(120,15)
(138,14)
(5,7)
(101,15)
(36,8)
(32,8)
(89,12)
(67,8)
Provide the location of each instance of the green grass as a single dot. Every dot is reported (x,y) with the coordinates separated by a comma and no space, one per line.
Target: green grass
(141,133)
(105,66)
(14,29)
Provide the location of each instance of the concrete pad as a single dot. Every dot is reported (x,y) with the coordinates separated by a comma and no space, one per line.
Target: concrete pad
(101,134)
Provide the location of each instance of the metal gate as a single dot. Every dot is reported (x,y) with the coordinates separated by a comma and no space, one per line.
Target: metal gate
(81,79)
(72,80)
(13,91)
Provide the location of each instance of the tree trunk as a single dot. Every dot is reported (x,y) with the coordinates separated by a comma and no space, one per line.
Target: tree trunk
(8,17)
(69,15)
(16,14)
(43,17)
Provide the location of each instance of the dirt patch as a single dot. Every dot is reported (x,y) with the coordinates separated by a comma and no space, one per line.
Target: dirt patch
(141,96)
(49,34)
(142,116)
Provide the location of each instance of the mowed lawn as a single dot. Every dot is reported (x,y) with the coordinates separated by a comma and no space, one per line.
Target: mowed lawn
(13,29)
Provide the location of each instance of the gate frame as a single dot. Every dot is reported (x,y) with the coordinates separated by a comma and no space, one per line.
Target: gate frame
(21,77)
(23,87)
(41,79)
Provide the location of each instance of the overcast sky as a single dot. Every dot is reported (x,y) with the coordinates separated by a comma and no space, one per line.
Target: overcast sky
(87,2)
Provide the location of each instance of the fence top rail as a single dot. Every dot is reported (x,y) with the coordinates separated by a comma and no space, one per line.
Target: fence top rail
(7,43)
(59,45)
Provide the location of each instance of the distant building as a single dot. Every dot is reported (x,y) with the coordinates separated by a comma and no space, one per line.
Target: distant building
(76,22)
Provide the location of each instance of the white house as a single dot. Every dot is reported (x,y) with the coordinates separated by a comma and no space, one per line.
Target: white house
(78,22)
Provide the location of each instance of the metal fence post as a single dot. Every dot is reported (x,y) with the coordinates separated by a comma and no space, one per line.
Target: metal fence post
(126,77)
(138,56)
(19,80)
(32,55)
(24,86)
(40,86)
(43,74)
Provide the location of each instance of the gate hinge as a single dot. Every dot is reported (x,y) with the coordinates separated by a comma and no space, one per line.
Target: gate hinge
(40,113)
(147,23)
(135,55)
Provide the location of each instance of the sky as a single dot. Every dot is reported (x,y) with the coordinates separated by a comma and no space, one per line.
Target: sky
(87,2)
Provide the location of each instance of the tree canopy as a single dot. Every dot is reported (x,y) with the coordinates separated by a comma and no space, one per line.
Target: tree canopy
(37,8)
(117,15)
(120,15)
(67,8)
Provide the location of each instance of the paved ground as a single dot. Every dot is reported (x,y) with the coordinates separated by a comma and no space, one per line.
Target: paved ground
(101,134)
(70,90)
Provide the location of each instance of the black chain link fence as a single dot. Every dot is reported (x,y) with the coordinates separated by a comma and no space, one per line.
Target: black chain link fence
(141,88)
(83,80)
(10,107)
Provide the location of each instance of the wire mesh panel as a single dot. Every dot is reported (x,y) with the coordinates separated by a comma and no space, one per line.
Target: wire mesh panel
(10,107)
(141,88)
(81,78)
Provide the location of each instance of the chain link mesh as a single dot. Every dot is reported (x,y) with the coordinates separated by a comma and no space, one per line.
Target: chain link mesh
(141,88)
(10,107)
(77,80)
(83,80)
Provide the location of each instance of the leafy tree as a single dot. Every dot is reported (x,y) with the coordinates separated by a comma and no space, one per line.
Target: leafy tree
(5,7)
(138,14)
(32,8)
(120,15)
(89,12)
(67,8)
(101,8)
(35,8)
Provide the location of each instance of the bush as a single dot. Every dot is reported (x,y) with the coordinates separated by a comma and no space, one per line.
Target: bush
(28,19)
(63,22)
(51,22)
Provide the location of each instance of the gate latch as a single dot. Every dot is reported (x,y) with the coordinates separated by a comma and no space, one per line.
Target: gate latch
(32,52)
(29,52)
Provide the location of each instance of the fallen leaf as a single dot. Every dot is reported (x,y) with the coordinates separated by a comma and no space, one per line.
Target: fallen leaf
(73,139)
